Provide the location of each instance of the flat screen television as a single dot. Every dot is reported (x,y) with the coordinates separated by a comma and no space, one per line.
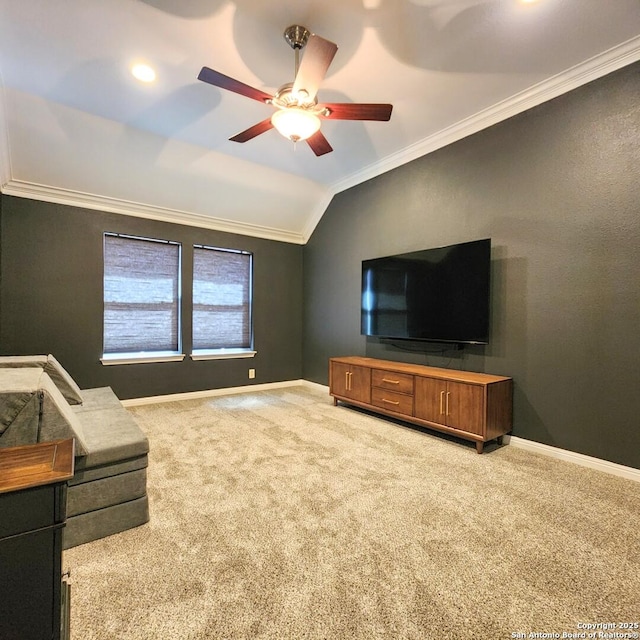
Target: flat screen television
(438,295)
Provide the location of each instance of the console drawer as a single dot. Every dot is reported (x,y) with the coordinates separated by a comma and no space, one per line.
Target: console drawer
(400,382)
(392,401)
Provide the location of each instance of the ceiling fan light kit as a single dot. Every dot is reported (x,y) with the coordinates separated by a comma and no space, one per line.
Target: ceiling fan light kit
(298,115)
(295,123)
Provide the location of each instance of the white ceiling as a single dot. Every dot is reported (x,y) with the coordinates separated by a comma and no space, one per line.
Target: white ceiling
(77,128)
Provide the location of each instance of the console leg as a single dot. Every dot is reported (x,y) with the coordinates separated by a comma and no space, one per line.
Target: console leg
(500,440)
(479,446)
(335,402)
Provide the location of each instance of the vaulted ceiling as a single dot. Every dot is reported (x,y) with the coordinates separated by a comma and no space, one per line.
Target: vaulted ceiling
(76,127)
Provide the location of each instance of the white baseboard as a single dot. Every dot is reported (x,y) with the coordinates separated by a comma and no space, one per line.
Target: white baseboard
(209,393)
(521,443)
(227,391)
(576,458)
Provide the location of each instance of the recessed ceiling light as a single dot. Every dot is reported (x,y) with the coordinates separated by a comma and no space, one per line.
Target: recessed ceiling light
(143,72)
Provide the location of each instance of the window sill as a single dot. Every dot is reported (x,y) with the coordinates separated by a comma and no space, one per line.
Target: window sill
(222,354)
(141,357)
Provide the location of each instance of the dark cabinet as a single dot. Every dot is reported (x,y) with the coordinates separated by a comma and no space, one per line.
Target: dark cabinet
(33,489)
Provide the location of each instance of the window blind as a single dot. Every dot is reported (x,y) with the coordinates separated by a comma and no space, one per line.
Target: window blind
(141,295)
(221,299)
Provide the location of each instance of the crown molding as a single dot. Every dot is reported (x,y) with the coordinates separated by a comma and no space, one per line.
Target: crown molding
(592,69)
(69,197)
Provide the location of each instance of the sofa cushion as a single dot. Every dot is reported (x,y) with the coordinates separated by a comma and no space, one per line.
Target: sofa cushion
(23,428)
(107,470)
(112,435)
(11,405)
(115,489)
(45,414)
(98,398)
(86,527)
(18,402)
(61,378)
(58,419)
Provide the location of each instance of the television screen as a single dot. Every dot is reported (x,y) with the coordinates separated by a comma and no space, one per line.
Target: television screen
(440,295)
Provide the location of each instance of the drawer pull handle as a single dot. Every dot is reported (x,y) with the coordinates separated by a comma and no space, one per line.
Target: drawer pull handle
(390,381)
(390,401)
(441,402)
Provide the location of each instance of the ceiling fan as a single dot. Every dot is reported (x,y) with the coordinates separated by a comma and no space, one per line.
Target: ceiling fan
(299,114)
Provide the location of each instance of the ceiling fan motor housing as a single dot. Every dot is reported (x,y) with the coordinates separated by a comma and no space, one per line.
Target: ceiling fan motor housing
(296,36)
(285,97)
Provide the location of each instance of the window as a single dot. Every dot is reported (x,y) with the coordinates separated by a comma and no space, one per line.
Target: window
(222,280)
(141,299)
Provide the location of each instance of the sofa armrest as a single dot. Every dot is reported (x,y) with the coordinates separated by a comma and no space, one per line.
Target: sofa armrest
(58,374)
(34,410)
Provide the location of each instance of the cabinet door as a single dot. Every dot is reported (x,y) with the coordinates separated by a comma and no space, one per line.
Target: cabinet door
(454,404)
(360,384)
(351,381)
(339,378)
(464,405)
(429,399)
(28,586)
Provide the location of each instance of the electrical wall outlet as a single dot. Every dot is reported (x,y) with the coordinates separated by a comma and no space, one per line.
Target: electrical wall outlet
(252,374)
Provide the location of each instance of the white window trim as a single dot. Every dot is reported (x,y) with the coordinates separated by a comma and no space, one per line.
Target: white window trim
(141,357)
(226,353)
(222,354)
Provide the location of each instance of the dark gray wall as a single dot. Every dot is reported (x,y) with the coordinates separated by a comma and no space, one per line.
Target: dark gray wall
(557,189)
(51,299)
(1,270)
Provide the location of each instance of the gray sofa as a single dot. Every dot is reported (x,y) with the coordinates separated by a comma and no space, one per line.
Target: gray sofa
(39,401)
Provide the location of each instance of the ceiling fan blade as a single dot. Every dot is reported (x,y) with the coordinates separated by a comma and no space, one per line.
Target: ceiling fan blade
(254,131)
(218,79)
(346,111)
(318,54)
(319,144)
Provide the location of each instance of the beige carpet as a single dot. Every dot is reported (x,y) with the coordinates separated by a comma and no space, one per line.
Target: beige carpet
(277,515)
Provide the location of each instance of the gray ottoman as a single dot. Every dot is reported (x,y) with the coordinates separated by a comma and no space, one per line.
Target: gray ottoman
(108,492)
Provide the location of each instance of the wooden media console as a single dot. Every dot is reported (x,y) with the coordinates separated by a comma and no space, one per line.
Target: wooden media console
(473,406)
